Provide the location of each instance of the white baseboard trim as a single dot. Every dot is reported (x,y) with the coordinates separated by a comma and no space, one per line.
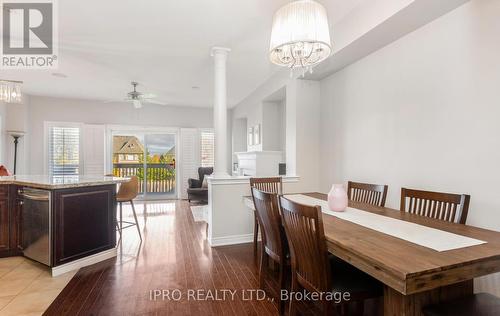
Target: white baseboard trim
(230,240)
(87,261)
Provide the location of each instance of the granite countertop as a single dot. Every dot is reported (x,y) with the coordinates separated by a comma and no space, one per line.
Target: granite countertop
(60,182)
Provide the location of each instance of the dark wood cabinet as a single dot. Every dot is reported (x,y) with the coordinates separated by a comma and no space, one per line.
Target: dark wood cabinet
(5,220)
(18,211)
(15,206)
(83,221)
(4,225)
(10,229)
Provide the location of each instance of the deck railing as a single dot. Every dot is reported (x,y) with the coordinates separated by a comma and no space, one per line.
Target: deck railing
(160,177)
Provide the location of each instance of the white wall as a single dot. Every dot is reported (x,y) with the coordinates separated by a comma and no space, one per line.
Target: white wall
(230,221)
(299,128)
(42,109)
(272,126)
(238,138)
(255,118)
(229,142)
(422,112)
(302,120)
(282,123)
(250,108)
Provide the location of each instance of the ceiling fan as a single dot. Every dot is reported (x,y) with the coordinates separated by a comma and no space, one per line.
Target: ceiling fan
(138,98)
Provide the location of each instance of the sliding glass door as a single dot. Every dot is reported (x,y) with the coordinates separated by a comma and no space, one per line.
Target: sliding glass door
(151,156)
(160,165)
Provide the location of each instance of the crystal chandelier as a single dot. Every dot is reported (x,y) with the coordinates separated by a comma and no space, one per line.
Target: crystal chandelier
(300,36)
(10,91)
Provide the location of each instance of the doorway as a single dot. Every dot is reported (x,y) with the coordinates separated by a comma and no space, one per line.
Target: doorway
(151,156)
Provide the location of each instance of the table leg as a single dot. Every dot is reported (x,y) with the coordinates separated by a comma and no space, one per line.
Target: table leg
(397,304)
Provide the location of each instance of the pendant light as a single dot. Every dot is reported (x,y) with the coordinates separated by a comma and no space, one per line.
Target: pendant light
(300,35)
(10,91)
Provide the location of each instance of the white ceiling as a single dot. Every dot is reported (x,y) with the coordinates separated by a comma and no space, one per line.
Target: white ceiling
(164,45)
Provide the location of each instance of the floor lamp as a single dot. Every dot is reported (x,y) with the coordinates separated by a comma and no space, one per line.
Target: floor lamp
(16,135)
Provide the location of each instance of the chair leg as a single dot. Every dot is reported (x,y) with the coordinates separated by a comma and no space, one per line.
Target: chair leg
(118,229)
(328,308)
(121,218)
(282,282)
(117,226)
(136,221)
(264,265)
(255,234)
(355,308)
(294,288)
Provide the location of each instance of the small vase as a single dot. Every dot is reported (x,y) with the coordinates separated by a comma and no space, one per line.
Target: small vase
(337,198)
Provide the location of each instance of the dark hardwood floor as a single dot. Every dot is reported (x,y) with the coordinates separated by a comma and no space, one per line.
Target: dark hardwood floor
(174,255)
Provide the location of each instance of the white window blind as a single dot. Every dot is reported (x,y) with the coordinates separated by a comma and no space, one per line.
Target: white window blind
(189,157)
(93,149)
(64,150)
(207,148)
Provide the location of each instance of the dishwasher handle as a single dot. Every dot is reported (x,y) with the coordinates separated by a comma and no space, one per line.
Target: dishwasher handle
(35,197)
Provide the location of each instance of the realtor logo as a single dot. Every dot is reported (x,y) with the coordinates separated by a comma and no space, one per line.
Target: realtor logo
(29,38)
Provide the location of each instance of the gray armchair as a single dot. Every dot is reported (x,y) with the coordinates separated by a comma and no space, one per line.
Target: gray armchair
(195,191)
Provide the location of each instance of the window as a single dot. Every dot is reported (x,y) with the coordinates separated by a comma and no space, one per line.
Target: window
(207,148)
(64,150)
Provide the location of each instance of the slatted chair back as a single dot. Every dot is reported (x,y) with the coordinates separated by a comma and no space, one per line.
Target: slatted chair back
(444,206)
(374,194)
(270,185)
(306,239)
(268,213)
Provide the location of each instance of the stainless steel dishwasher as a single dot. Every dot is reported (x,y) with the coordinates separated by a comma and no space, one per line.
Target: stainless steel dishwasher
(36,225)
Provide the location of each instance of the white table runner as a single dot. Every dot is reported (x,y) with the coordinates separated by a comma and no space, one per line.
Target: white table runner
(436,239)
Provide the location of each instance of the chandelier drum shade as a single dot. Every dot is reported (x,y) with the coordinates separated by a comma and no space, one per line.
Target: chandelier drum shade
(300,35)
(10,91)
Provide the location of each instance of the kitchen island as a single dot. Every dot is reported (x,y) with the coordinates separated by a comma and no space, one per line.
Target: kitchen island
(64,222)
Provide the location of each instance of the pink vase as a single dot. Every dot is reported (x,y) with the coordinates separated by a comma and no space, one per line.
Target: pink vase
(337,198)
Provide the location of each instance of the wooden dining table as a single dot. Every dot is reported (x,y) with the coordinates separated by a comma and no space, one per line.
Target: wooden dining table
(414,276)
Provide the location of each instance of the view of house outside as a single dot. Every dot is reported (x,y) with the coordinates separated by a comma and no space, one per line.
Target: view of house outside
(157,175)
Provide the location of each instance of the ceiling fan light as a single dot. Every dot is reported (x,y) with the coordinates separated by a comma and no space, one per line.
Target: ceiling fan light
(137,104)
(300,35)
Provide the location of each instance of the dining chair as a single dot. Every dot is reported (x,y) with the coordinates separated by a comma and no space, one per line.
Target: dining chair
(483,304)
(311,267)
(444,206)
(274,244)
(374,194)
(270,185)
(127,192)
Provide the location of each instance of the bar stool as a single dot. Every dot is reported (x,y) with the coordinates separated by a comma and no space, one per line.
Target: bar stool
(127,193)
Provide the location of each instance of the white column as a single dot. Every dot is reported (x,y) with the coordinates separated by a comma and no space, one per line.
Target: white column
(220,110)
